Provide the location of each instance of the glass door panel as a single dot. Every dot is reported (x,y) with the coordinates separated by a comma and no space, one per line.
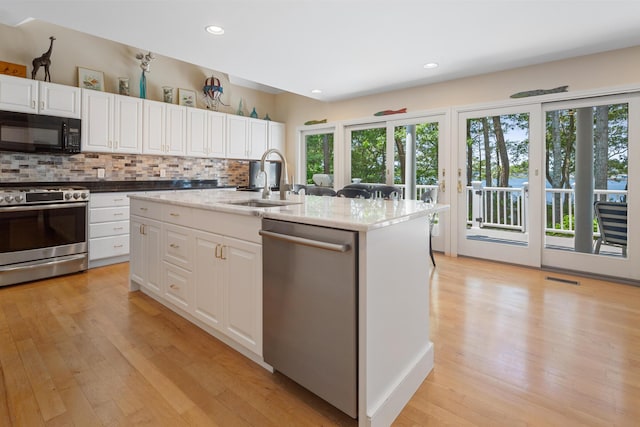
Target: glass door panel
(495,196)
(369,155)
(587,195)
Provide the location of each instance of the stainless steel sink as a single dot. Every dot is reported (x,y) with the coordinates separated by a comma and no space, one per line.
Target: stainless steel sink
(259,203)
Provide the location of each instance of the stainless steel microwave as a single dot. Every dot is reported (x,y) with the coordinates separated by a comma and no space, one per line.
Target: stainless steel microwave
(35,133)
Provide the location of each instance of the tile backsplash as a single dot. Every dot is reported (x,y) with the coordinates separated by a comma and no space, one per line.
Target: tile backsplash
(19,167)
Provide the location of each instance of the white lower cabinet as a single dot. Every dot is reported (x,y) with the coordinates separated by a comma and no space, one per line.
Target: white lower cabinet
(213,277)
(242,293)
(145,261)
(108,229)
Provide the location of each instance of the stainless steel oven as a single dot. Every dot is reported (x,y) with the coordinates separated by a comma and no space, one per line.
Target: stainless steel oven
(43,233)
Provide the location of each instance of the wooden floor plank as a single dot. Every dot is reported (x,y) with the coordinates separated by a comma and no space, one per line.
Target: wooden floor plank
(511,349)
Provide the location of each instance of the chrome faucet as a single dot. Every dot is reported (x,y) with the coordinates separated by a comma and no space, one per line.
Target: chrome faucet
(284,183)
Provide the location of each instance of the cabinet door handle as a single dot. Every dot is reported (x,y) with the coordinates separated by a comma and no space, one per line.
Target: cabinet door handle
(33,103)
(222,257)
(42,105)
(217,247)
(142,229)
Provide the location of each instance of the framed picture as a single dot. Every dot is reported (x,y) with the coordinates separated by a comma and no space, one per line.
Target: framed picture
(187,97)
(90,79)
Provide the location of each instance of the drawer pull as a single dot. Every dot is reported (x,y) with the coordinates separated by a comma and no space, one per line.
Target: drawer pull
(174,214)
(143,209)
(117,246)
(118,200)
(174,246)
(117,228)
(118,214)
(175,287)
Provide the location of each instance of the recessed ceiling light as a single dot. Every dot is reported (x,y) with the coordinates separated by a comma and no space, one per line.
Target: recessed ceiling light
(316,91)
(215,30)
(431,65)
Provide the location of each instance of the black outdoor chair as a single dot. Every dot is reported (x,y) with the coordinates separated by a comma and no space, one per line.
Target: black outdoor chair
(612,222)
(354,193)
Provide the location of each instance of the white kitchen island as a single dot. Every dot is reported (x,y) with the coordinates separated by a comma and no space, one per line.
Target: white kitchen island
(200,255)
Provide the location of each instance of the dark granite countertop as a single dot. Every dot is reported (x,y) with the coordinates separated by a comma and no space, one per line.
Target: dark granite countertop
(117,186)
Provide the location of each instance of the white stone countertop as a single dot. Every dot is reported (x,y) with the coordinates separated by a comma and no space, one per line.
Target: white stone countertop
(336,212)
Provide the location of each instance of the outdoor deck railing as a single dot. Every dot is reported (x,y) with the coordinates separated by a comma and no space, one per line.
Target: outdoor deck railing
(505,207)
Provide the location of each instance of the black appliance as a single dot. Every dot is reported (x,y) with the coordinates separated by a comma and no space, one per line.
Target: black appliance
(44,233)
(35,133)
(273,169)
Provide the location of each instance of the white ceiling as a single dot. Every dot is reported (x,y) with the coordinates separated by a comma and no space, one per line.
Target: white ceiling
(349,48)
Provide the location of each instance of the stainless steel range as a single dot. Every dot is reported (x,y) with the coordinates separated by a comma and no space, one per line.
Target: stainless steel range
(43,233)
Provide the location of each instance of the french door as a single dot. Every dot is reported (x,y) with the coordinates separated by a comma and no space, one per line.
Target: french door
(407,153)
(592,160)
(498,184)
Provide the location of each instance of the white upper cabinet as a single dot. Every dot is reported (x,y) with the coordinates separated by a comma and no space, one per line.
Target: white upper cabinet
(111,123)
(237,137)
(197,133)
(153,128)
(258,135)
(205,133)
(247,138)
(164,129)
(18,94)
(127,125)
(217,134)
(32,96)
(277,136)
(176,126)
(59,100)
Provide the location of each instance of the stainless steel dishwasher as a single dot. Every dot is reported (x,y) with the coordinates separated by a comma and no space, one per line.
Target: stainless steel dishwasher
(310,297)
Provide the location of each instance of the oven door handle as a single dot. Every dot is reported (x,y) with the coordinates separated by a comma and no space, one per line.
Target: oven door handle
(42,207)
(39,264)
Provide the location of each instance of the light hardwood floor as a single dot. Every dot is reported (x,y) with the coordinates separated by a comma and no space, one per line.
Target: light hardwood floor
(511,349)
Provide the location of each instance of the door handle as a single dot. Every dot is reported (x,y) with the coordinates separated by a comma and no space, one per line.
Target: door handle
(305,242)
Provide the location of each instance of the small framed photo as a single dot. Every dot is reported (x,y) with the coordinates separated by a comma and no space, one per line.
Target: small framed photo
(90,79)
(186,97)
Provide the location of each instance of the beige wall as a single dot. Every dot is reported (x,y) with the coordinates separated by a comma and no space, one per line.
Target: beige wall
(609,69)
(72,49)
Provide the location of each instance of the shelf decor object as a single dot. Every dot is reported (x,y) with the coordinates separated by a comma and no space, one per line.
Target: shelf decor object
(167,94)
(254,113)
(212,93)
(43,60)
(145,64)
(123,86)
(90,79)
(186,97)
(11,69)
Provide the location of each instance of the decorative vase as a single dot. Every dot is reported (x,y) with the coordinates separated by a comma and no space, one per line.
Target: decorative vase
(143,86)
(167,94)
(254,113)
(123,86)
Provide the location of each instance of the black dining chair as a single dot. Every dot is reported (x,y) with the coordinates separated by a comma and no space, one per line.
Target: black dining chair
(354,193)
(319,191)
(430,196)
(388,192)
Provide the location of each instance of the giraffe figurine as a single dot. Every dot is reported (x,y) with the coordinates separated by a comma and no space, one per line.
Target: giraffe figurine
(43,61)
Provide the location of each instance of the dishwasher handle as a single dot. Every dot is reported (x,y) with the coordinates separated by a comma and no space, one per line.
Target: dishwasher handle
(306,242)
